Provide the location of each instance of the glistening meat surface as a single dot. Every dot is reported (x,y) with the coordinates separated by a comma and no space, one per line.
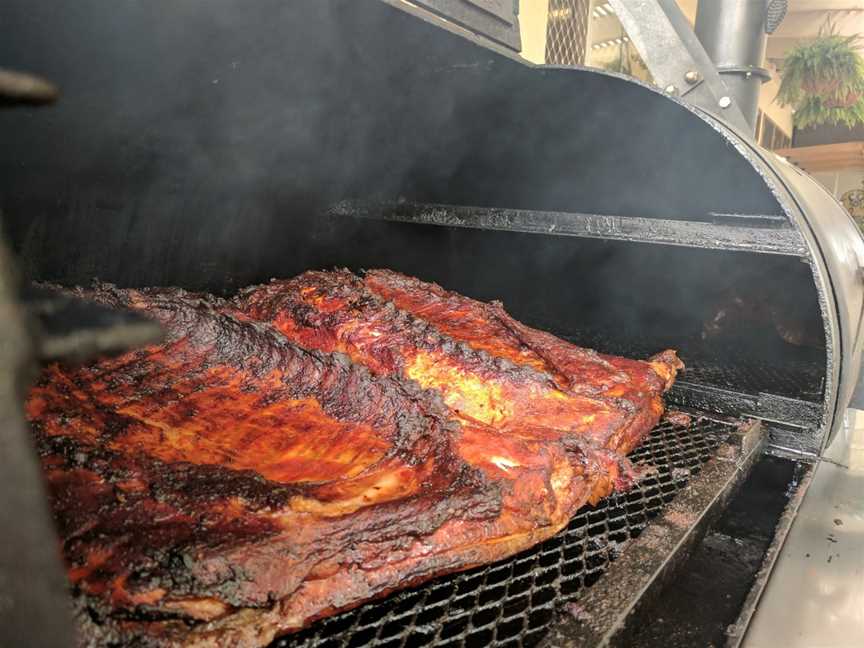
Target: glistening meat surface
(488,367)
(313,444)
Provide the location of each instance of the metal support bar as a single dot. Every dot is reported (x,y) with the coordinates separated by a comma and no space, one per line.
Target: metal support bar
(801,414)
(765,234)
(494,19)
(676,58)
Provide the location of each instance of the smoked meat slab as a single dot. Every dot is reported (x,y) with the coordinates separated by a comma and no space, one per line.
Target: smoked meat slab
(315,443)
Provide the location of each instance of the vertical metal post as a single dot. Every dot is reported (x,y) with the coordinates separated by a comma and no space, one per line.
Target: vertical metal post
(733,35)
(34,602)
(34,599)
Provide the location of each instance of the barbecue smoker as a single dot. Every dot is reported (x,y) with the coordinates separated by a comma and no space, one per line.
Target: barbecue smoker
(212,145)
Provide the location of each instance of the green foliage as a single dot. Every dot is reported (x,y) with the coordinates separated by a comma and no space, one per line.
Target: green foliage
(828,60)
(813,111)
(820,76)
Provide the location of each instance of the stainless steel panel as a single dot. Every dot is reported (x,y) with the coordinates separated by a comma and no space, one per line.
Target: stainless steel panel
(815,596)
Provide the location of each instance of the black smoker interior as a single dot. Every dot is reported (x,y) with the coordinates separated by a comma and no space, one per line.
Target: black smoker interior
(218,168)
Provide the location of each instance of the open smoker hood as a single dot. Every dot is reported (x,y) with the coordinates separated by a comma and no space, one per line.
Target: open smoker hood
(212,151)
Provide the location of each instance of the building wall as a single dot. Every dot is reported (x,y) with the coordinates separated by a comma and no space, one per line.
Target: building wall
(688,8)
(828,134)
(782,116)
(603,30)
(840,181)
(533,15)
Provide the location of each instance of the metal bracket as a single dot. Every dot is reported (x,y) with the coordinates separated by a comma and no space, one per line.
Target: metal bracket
(676,58)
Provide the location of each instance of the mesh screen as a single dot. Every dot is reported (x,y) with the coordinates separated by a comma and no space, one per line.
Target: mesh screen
(515,601)
(801,379)
(780,369)
(567,31)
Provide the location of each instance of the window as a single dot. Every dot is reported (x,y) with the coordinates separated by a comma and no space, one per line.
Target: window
(769,134)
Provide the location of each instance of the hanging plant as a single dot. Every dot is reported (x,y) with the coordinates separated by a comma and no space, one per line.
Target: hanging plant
(823,80)
(813,111)
(836,100)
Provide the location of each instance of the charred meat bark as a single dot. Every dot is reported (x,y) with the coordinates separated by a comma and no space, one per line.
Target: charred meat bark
(275,461)
(488,367)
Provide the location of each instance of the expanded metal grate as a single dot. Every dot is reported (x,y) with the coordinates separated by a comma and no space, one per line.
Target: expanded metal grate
(515,601)
(802,379)
(780,369)
(567,31)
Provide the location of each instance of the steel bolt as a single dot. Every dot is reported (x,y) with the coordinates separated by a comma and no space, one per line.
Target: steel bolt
(691,77)
(724,102)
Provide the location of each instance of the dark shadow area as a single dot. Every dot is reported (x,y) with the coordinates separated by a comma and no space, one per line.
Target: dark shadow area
(214,170)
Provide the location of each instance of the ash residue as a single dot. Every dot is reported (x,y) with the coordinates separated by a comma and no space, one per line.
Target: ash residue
(578,612)
(680,473)
(678,418)
(642,472)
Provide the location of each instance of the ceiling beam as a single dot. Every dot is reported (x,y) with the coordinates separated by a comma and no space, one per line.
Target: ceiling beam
(826,157)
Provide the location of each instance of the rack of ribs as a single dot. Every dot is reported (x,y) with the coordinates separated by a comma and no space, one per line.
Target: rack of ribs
(315,443)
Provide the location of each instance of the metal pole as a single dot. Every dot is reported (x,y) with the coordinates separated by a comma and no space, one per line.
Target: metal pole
(34,601)
(733,34)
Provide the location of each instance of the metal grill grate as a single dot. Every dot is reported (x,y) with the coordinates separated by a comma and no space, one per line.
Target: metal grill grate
(566,32)
(514,602)
(794,378)
(782,369)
